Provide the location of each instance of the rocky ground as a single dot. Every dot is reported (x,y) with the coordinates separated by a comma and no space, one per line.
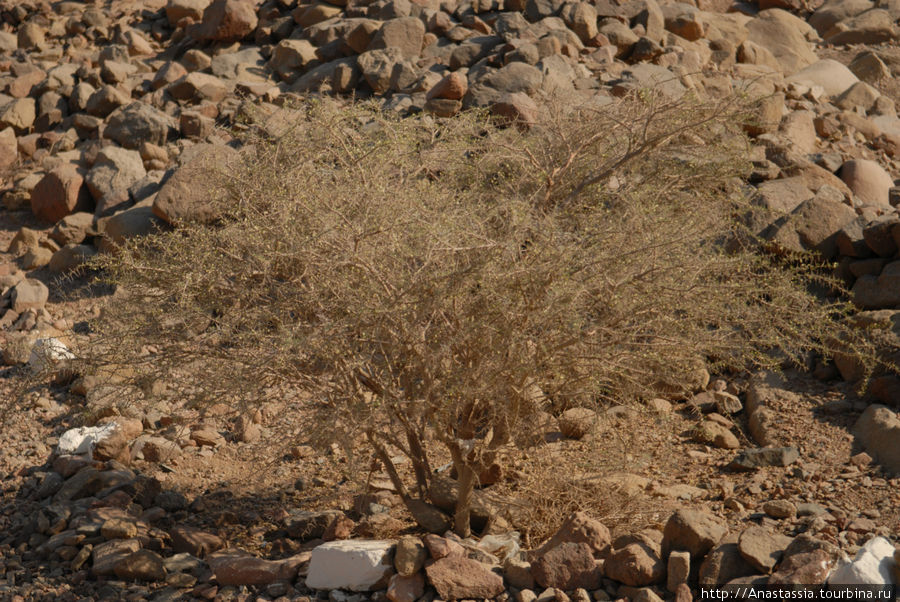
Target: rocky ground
(108,110)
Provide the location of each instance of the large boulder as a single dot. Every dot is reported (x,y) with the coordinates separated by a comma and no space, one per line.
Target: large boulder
(787,37)
(874,26)
(869,181)
(828,73)
(833,12)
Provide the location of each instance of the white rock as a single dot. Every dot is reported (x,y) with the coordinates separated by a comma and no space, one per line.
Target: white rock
(47,353)
(872,565)
(354,565)
(81,441)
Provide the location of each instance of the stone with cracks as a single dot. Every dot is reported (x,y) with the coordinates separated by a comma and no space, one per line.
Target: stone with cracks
(353,565)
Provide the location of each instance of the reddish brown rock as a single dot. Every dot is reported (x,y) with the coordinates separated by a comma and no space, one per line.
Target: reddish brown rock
(458,578)
(107,555)
(453,87)
(60,193)
(241,569)
(567,566)
(441,547)
(516,108)
(808,568)
(635,565)
(227,21)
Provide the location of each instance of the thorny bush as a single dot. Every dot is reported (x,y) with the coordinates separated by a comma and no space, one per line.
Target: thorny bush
(436,284)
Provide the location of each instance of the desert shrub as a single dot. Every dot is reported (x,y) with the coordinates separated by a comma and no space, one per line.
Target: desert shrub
(432,286)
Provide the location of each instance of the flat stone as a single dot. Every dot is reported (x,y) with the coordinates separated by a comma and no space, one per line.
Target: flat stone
(236,568)
(752,459)
(459,578)
(762,548)
(107,555)
(186,539)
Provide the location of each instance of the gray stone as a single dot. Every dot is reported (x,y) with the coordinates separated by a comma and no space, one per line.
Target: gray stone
(137,123)
(751,459)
